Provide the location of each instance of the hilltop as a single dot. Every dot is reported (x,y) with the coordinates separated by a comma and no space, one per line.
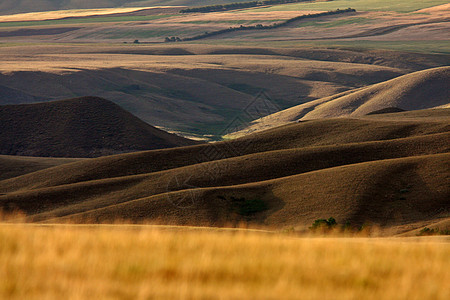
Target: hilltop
(80,127)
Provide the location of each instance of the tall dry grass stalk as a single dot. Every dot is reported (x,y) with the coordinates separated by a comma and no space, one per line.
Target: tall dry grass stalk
(144,262)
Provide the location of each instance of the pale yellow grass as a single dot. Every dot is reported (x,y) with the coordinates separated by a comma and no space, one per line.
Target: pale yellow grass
(59,14)
(120,262)
(438,8)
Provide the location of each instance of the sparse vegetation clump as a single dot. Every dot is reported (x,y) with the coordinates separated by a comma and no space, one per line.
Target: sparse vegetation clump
(246,207)
(249,207)
(435,231)
(324,224)
(172,39)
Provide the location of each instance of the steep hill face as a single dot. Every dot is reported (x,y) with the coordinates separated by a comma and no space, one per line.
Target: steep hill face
(415,91)
(81,127)
(391,173)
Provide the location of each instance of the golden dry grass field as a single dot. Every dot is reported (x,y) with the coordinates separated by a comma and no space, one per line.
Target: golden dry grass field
(147,262)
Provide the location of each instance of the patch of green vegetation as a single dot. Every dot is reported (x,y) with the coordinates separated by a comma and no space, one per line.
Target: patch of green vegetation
(246,207)
(404,6)
(84,20)
(336,23)
(323,224)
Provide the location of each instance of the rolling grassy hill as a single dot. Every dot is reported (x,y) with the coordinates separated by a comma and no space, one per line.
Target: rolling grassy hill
(421,90)
(81,127)
(414,91)
(359,171)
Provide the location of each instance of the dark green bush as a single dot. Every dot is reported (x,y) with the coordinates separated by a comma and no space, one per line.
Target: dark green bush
(324,224)
(246,207)
(251,207)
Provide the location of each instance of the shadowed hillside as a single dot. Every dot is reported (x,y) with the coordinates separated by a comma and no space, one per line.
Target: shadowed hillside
(13,96)
(13,166)
(356,170)
(81,127)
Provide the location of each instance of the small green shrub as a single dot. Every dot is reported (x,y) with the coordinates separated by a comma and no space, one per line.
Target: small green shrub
(324,224)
